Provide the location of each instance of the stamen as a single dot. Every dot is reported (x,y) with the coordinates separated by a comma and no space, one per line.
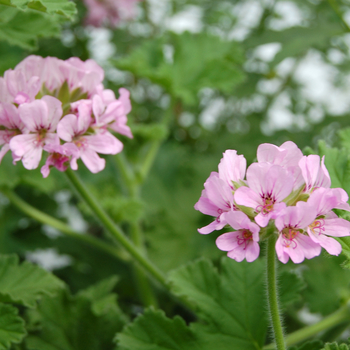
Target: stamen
(289,235)
(245,238)
(318,226)
(267,207)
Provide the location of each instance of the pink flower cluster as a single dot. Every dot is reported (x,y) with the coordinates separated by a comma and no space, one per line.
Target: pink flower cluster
(285,193)
(110,12)
(62,108)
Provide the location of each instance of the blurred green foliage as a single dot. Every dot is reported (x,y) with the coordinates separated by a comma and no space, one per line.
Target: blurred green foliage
(241,77)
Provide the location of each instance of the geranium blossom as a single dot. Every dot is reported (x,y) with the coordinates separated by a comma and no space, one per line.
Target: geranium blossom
(62,109)
(215,200)
(243,242)
(292,241)
(268,185)
(284,192)
(110,12)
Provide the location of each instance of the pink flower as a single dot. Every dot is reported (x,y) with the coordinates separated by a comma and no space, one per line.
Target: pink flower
(5,96)
(287,156)
(30,114)
(59,157)
(10,120)
(326,222)
(73,128)
(46,69)
(268,185)
(315,174)
(40,118)
(86,75)
(114,113)
(21,89)
(109,11)
(232,167)
(243,242)
(292,241)
(215,200)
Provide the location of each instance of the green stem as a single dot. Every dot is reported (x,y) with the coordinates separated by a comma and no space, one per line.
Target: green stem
(145,289)
(126,172)
(336,9)
(272,294)
(59,225)
(114,229)
(149,159)
(338,317)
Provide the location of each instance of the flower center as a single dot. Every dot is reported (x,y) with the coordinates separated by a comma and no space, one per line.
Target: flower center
(289,234)
(267,207)
(244,238)
(80,142)
(317,227)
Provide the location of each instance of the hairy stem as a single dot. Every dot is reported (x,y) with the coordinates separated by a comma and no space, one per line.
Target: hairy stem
(272,294)
(336,318)
(114,229)
(59,225)
(146,292)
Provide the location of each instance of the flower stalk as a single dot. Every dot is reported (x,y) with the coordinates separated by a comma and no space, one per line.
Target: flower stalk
(114,229)
(336,318)
(59,225)
(272,294)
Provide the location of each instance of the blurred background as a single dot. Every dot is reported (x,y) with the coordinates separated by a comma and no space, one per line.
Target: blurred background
(204,76)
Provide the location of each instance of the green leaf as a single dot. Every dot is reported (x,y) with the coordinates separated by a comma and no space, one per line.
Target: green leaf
(290,286)
(310,345)
(24,28)
(221,299)
(319,289)
(72,323)
(12,328)
(101,297)
(153,330)
(296,41)
(63,7)
(199,61)
(338,164)
(24,284)
(344,135)
(335,346)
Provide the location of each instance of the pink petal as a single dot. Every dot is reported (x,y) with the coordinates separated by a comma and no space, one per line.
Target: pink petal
(54,111)
(34,115)
(92,161)
(310,248)
(124,98)
(104,143)
(218,192)
(237,254)
(205,206)
(336,227)
(228,241)
(252,251)
(232,167)
(67,127)
(281,254)
(25,146)
(247,197)
(237,220)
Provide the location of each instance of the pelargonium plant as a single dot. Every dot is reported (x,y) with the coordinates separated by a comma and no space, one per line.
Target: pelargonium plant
(109,12)
(61,108)
(285,193)
(285,198)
